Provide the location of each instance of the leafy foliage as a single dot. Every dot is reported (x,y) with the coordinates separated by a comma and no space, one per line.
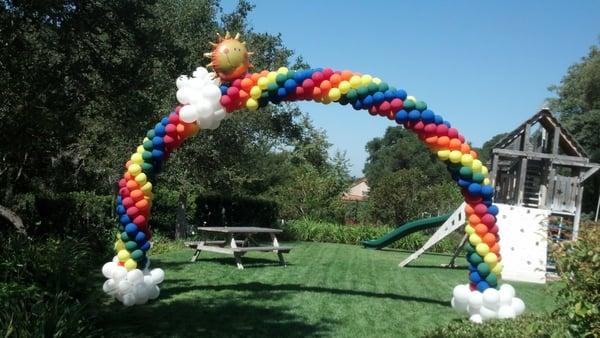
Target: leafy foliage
(579,264)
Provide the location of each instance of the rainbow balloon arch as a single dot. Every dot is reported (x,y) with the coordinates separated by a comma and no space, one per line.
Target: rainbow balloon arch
(208,98)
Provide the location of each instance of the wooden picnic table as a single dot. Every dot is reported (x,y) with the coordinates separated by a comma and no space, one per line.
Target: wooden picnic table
(237,242)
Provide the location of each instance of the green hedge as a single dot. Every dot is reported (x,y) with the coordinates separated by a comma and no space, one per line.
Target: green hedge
(315,231)
(239,210)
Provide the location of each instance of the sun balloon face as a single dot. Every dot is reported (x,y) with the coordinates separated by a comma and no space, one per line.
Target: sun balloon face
(229,57)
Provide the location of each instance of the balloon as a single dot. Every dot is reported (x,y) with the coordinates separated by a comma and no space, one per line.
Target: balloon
(141,293)
(107,269)
(506,312)
(130,264)
(491,298)
(461,293)
(490,258)
(476,318)
(158,275)
(487,313)
(482,249)
(475,300)
(153,292)
(135,276)
(459,306)
(188,114)
(507,292)
(123,255)
(124,286)
(128,299)
(109,287)
(518,306)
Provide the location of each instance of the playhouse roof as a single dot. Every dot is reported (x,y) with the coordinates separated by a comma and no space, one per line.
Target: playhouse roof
(568,143)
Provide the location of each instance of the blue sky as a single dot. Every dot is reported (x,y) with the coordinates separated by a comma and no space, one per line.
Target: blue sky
(485,66)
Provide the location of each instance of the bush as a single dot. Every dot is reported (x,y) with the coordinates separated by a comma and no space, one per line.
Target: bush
(579,265)
(315,231)
(239,211)
(539,325)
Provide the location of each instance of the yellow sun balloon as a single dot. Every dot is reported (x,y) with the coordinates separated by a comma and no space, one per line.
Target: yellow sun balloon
(229,57)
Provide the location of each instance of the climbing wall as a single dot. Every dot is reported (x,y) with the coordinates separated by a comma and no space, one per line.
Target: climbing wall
(523,243)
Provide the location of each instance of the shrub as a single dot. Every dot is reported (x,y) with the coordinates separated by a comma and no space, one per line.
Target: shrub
(538,325)
(315,231)
(239,210)
(579,265)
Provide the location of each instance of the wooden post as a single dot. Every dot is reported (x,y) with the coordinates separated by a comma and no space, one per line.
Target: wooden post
(555,140)
(493,174)
(577,218)
(522,177)
(525,138)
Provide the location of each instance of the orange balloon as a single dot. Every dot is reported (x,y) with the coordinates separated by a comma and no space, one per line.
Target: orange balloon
(316,93)
(325,86)
(132,185)
(136,195)
(465,148)
(128,163)
(454,144)
(443,141)
(244,95)
(431,140)
(142,205)
(346,75)
(489,238)
(474,219)
(469,210)
(474,154)
(495,248)
(247,84)
(127,176)
(254,77)
(482,230)
(335,79)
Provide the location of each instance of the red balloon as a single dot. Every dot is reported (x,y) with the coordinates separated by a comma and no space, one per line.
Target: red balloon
(233,92)
(140,221)
(132,212)
(384,108)
(480,209)
(418,127)
(168,140)
(442,130)
(317,77)
(171,129)
(488,219)
(128,202)
(308,85)
(396,104)
(226,101)
(177,109)
(124,192)
(300,92)
(461,138)
(430,129)
(373,110)
(122,183)
(452,132)
(327,72)
(493,229)
(174,119)
(237,83)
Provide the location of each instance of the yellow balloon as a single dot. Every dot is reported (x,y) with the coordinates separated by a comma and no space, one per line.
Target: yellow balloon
(123,255)
(344,87)
(255,92)
(282,70)
(355,81)
(366,79)
(272,76)
(469,229)
(145,139)
(119,245)
(325,100)
(334,94)
(466,160)
(474,239)
(490,258)
(411,98)
(130,264)
(482,249)
(140,149)
(146,188)
(376,80)
(134,169)
(252,104)
(137,158)
(497,269)
(484,171)
(476,166)
(443,154)
(455,156)
(486,181)
(263,83)
(141,179)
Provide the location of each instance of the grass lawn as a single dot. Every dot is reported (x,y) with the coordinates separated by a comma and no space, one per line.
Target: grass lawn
(326,290)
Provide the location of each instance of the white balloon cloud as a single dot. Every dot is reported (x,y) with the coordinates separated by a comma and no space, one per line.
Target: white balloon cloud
(490,304)
(200,95)
(133,287)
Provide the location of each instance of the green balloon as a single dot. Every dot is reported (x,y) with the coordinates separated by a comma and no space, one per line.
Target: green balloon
(476,259)
(290,74)
(150,134)
(147,156)
(466,172)
(483,269)
(137,255)
(469,248)
(131,246)
(409,105)
(478,177)
(491,279)
(454,167)
(124,236)
(352,95)
(383,87)
(147,167)
(362,91)
(121,228)
(265,94)
(272,87)
(148,145)
(280,79)
(372,87)
(420,105)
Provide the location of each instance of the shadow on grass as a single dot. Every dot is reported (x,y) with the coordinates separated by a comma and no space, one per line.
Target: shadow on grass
(272,289)
(425,266)
(248,262)
(214,317)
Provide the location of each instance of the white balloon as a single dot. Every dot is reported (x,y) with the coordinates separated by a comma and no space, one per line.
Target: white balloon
(188,114)
(475,299)
(476,318)
(211,92)
(487,313)
(158,275)
(461,293)
(204,109)
(153,292)
(119,273)
(128,299)
(459,306)
(215,124)
(119,297)
(220,114)
(505,296)
(473,310)
(518,305)
(507,288)
(506,312)
(181,81)
(491,298)
(200,73)
(107,269)
(125,286)
(135,276)
(110,287)
(183,95)
(141,293)
(116,259)
(148,280)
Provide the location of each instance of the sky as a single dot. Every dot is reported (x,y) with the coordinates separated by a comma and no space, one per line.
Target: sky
(485,66)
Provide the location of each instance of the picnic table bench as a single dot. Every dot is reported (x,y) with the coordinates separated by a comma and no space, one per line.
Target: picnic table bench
(239,246)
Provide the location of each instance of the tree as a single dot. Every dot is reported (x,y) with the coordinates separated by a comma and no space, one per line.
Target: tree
(485,152)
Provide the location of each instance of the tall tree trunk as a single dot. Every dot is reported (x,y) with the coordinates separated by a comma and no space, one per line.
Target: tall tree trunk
(181,219)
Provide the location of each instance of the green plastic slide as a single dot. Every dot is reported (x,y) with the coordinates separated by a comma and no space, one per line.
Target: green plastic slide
(405,230)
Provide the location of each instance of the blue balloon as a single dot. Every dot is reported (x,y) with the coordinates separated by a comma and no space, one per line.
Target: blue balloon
(357,105)
(447,124)
(464,183)
(378,97)
(493,209)
(121,210)
(482,286)
(164,121)
(401,94)
(487,191)
(159,130)
(475,189)
(389,95)
(367,102)
(124,219)
(300,76)
(427,116)
(414,115)
(119,199)
(158,142)
(131,230)
(401,116)
(223,89)
(157,154)
(290,86)
(437,119)
(281,92)
(140,237)
(475,277)
(145,247)
(472,268)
